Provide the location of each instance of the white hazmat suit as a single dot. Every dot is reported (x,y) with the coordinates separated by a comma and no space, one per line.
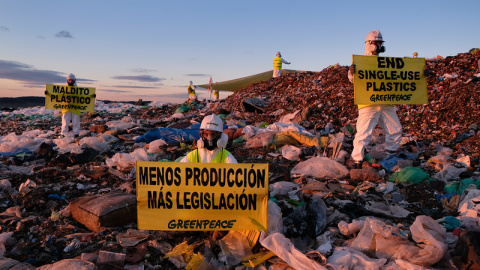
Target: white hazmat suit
(68,115)
(371,115)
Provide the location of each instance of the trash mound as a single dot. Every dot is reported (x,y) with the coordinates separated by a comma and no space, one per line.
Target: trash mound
(69,202)
(453,94)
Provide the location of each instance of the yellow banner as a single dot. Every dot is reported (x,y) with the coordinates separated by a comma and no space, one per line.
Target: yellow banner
(201,196)
(389,80)
(62,97)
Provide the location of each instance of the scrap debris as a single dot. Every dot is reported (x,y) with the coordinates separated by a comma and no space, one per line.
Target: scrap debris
(416,208)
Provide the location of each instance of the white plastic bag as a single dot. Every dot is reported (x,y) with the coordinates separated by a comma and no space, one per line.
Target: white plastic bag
(431,245)
(320,167)
(284,249)
(291,152)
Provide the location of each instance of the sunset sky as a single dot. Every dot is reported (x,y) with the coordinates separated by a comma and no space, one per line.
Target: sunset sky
(150,49)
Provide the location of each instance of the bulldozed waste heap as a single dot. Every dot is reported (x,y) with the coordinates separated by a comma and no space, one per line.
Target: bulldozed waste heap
(453,94)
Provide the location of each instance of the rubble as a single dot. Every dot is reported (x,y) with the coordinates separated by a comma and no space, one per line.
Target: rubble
(59,197)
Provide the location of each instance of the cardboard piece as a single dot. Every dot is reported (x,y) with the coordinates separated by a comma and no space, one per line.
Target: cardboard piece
(105,210)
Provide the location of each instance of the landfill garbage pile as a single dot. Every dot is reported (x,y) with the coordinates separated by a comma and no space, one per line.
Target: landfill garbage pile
(70,202)
(453,92)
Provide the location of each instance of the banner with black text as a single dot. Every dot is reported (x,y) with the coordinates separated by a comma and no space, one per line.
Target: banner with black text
(62,97)
(201,196)
(389,80)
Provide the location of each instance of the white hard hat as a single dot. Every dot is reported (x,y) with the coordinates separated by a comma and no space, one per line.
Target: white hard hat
(71,76)
(375,35)
(212,122)
(279,54)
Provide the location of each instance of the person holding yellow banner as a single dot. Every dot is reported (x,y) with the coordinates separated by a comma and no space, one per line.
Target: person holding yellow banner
(71,115)
(371,115)
(211,145)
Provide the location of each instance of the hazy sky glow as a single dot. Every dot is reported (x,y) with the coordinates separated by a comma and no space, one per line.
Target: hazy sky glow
(150,49)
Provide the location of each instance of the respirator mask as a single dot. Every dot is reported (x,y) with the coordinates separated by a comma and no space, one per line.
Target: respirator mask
(374,47)
(212,139)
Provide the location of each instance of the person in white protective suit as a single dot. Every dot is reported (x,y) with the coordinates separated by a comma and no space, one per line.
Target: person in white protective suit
(70,115)
(277,65)
(371,115)
(212,143)
(192,96)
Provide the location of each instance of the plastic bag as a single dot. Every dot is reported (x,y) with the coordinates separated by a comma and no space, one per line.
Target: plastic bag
(430,238)
(349,258)
(412,175)
(350,228)
(264,139)
(235,247)
(291,152)
(170,135)
(320,167)
(284,249)
(379,239)
(275,223)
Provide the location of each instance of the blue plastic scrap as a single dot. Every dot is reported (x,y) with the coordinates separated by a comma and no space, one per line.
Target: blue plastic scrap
(390,162)
(172,135)
(22,151)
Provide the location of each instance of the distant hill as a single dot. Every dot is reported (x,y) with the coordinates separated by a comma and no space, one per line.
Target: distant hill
(20,102)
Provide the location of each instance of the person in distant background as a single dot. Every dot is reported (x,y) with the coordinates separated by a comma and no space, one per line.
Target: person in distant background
(69,115)
(415,55)
(192,96)
(277,65)
(216,94)
(212,143)
(371,115)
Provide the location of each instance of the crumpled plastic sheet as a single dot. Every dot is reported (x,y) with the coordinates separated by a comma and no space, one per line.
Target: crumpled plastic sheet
(449,172)
(15,152)
(127,160)
(235,246)
(320,167)
(284,249)
(349,258)
(28,140)
(291,152)
(4,237)
(154,146)
(409,175)
(469,206)
(170,135)
(123,124)
(280,127)
(282,187)
(387,210)
(275,222)
(350,228)
(386,241)
(95,143)
(390,162)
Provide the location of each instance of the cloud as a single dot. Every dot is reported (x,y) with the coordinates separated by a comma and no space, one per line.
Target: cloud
(135,86)
(4,28)
(197,75)
(140,78)
(115,91)
(30,76)
(16,71)
(143,70)
(63,34)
